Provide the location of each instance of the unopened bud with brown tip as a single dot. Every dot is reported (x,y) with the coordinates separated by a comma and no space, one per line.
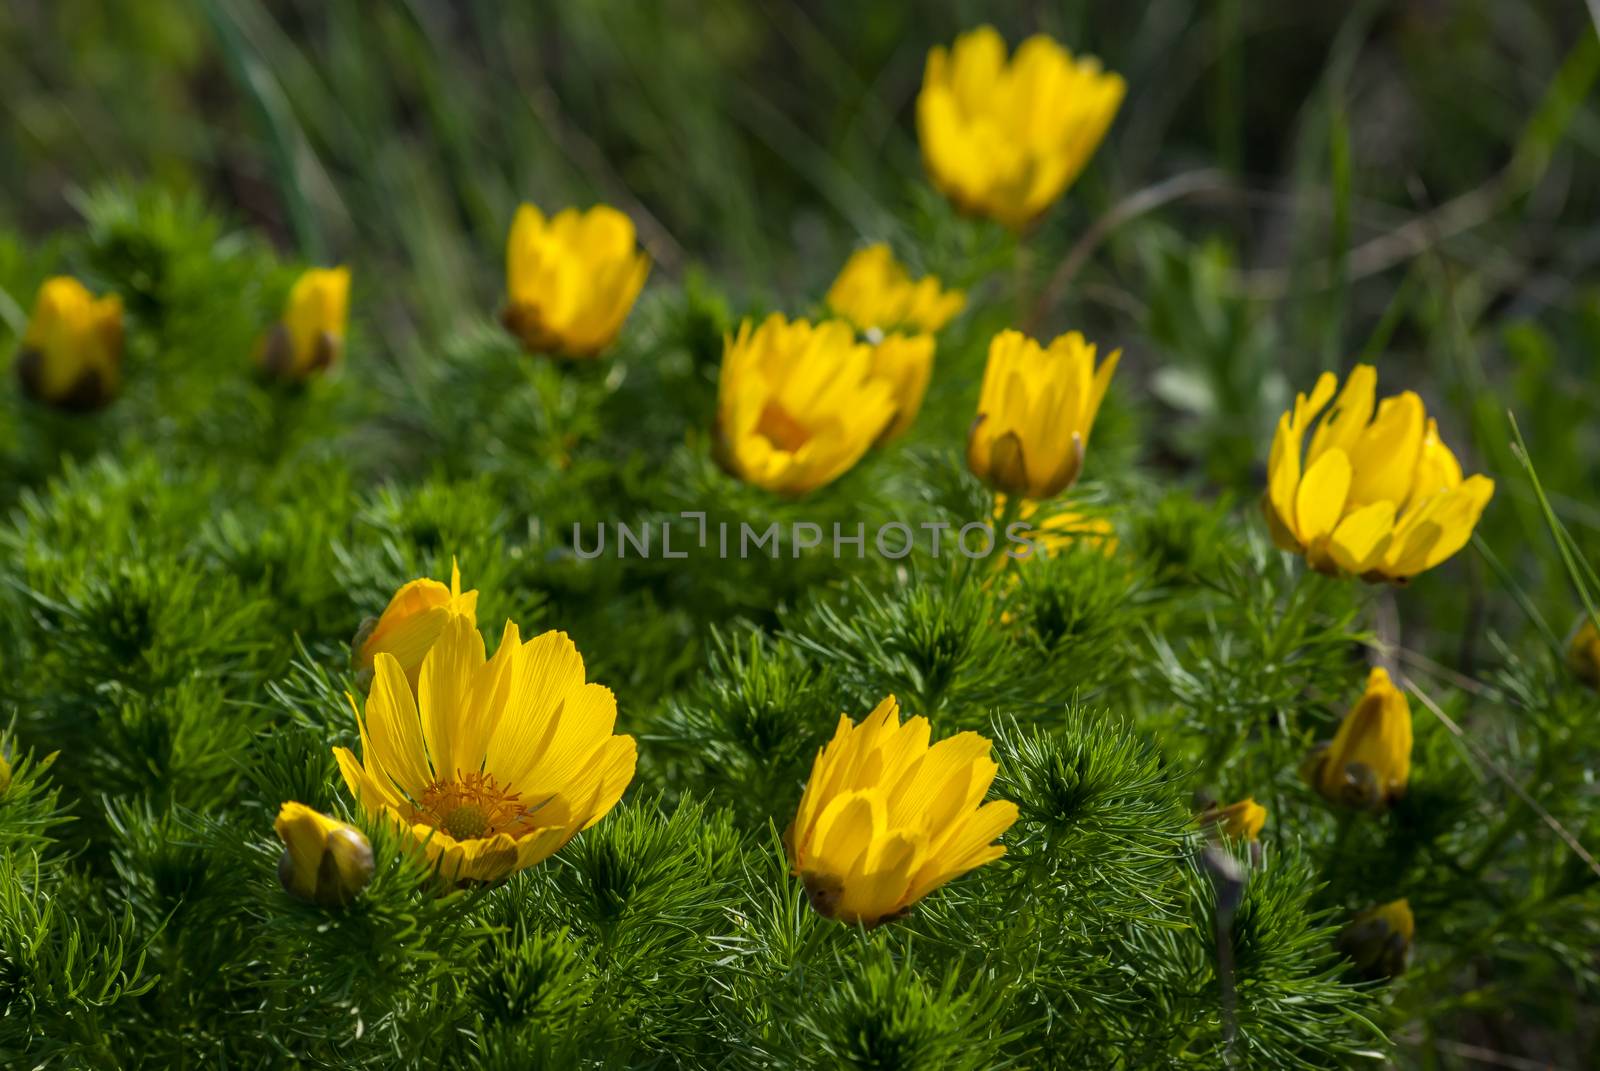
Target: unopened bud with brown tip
(1378,940)
(310,338)
(71,354)
(1368,763)
(1583,653)
(324,861)
(1242,820)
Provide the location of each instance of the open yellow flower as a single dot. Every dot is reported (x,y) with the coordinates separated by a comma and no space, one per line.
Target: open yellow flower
(885,819)
(571,280)
(324,861)
(310,337)
(1378,940)
(798,404)
(71,353)
(1369,761)
(1035,413)
(1583,653)
(496,763)
(410,624)
(1242,820)
(1379,497)
(876,293)
(1005,139)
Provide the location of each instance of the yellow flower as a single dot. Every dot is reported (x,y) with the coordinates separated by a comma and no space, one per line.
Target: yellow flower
(1369,761)
(1378,497)
(898,317)
(885,819)
(1005,139)
(496,763)
(324,861)
(71,354)
(1242,820)
(411,623)
(875,292)
(1378,940)
(310,337)
(1058,532)
(1035,413)
(1583,653)
(571,280)
(905,363)
(798,404)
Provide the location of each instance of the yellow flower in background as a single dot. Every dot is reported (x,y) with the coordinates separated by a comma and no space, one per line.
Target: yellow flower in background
(1376,496)
(1242,820)
(572,279)
(310,337)
(495,763)
(1378,940)
(1583,653)
(899,318)
(1057,533)
(1035,413)
(885,819)
(876,293)
(798,404)
(1369,761)
(905,363)
(71,353)
(410,624)
(1005,139)
(324,861)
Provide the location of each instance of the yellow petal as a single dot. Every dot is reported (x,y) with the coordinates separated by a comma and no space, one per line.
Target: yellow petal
(844,830)
(394,746)
(1319,503)
(442,690)
(1384,456)
(1358,544)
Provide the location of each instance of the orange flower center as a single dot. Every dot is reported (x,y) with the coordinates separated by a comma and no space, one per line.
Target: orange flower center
(471,807)
(781,429)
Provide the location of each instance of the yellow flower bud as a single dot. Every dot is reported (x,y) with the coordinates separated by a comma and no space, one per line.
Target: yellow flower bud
(5,773)
(1377,496)
(798,404)
(1242,820)
(1583,653)
(71,353)
(571,280)
(876,293)
(885,819)
(1004,139)
(411,623)
(309,339)
(1035,413)
(1378,940)
(324,861)
(1369,761)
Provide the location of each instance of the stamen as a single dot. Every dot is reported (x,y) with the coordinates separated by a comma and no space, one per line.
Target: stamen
(471,807)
